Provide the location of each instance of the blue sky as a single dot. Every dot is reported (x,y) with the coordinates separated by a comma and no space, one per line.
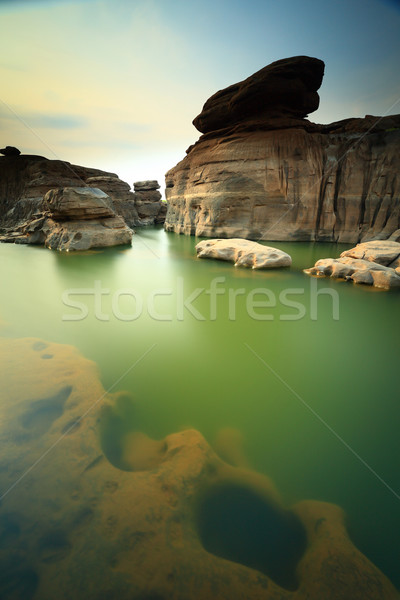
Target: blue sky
(115,84)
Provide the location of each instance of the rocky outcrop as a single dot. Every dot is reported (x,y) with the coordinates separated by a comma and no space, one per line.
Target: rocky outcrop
(261,171)
(244,253)
(150,208)
(122,198)
(73,218)
(10,151)
(25,179)
(375,263)
(138,518)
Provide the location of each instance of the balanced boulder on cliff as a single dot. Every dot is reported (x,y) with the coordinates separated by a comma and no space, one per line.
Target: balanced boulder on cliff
(262,171)
(285,88)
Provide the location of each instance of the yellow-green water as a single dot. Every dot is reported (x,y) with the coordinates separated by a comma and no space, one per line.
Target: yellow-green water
(316,397)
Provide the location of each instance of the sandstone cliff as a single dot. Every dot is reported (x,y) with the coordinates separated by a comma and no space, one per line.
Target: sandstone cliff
(262,171)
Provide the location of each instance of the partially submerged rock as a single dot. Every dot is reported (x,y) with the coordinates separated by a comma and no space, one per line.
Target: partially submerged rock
(73,219)
(73,525)
(375,263)
(25,180)
(244,253)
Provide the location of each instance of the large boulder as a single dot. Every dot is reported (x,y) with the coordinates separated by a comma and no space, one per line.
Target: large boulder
(244,253)
(263,172)
(78,203)
(25,179)
(73,218)
(383,252)
(374,263)
(286,87)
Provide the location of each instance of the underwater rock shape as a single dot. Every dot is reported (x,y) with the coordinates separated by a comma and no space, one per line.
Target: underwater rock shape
(244,253)
(72,525)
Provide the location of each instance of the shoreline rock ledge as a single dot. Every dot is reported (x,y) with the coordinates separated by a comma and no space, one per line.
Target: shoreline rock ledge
(262,170)
(375,263)
(244,253)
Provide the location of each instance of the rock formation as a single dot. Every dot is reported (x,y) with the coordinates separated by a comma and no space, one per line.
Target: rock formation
(25,179)
(375,263)
(151,209)
(244,253)
(10,151)
(75,525)
(263,171)
(73,218)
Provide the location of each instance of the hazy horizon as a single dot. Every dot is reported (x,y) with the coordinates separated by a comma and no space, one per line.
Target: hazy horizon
(116,85)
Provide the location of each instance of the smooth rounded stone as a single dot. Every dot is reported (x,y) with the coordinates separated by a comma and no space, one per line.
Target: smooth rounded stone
(285,87)
(383,252)
(78,514)
(78,203)
(357,270)
(243,253)
(150,184)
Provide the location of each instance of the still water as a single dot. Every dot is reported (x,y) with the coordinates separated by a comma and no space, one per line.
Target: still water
(310,379)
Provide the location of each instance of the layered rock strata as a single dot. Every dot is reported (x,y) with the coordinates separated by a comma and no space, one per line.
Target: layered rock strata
(375,263)
(74,525)
(25,179)
(73,218)
(151,210)
(263,171)
(244,253)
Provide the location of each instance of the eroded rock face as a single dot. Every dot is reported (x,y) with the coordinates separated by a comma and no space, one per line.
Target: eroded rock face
(73,218)
(375,263)
(150,208)
(265,173)
(244,253)
(25,179)
(76,526)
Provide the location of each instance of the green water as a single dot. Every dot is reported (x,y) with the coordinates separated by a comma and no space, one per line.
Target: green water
(307,393)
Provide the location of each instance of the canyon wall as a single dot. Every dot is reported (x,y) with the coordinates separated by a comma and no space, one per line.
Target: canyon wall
(262,171)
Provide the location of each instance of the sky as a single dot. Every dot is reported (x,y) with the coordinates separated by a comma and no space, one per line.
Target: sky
(115,84)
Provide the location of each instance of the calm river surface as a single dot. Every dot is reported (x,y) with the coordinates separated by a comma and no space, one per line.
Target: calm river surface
(312,386)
